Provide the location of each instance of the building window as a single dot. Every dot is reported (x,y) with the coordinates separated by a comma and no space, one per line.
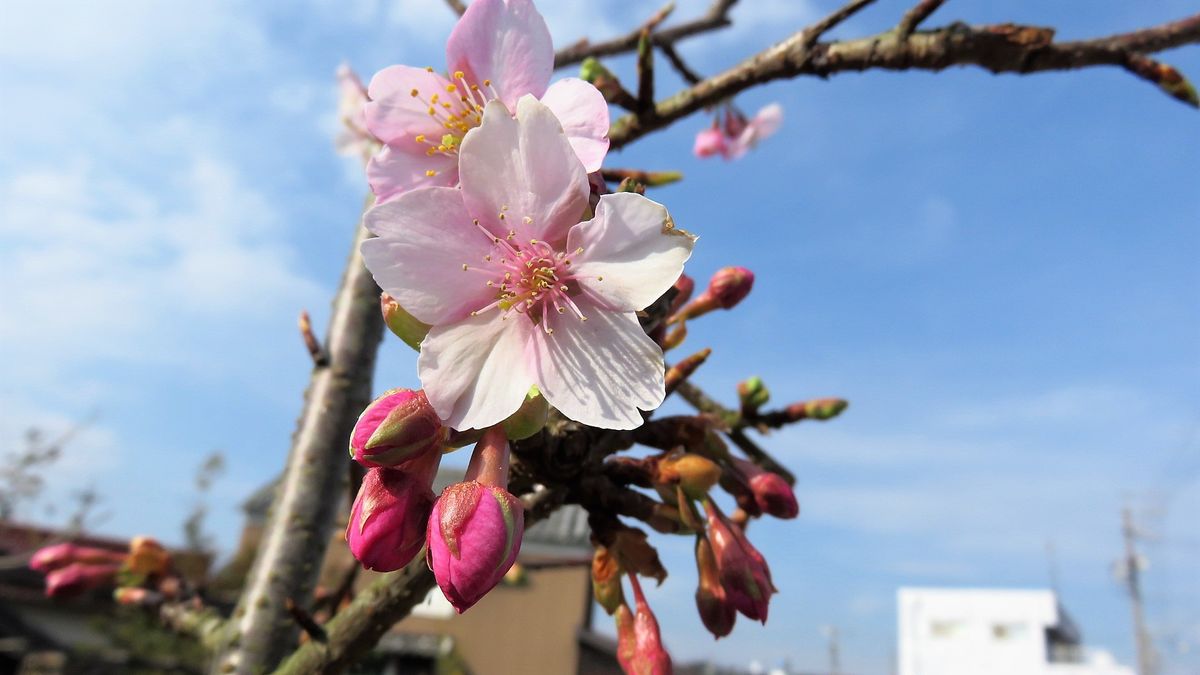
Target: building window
(1004,632)
(945,629)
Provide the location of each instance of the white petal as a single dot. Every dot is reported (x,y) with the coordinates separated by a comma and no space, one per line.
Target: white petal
(524,168)
(600,371)
(423,238)
(475,372)
(583,113)
(632,251)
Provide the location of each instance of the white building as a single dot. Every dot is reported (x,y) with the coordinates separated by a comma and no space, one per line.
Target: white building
(992,632)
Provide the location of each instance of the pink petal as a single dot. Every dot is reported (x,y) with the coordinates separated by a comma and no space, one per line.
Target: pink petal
(633,246)
(423,239)
(764,123)
(583,113)
(394,112)
(403,165)
(525,169)
(474,371)
(506,42)
(599,371)
(710,142)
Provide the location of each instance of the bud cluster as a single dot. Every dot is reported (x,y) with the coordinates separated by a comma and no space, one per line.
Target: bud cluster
(72,569)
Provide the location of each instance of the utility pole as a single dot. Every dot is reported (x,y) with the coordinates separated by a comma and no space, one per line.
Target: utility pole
(1131,568)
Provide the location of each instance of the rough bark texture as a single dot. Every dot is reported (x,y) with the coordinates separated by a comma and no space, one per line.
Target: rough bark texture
(1002,48)
(261,630)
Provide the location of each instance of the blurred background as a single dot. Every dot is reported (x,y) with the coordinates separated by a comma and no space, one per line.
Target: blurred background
(1000,274)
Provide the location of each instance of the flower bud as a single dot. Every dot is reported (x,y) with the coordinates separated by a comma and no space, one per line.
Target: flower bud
(148,557)
(606,580)
(753,393)
(715,611)
(675,338)
(78,578)
(772,494)
(684,287)
(404,325)
(818,409)
(474,537)
(529,419)
(727,287)
(395,428)
(743,570)
(649,655)
(591,70)
(709,142)
(626,638)
(693,473)
(684,369)
(387,522)
(53,557)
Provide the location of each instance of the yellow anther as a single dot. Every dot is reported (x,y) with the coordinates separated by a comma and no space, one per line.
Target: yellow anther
(429,69)
(501,216)
(431,173)
(487,83)
(433,99)
(464,267)
(420,138)
(432,110)
(528,220)
(451,87)
(458,74)
(414,93)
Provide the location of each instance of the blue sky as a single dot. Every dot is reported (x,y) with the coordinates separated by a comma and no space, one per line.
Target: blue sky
(999,272)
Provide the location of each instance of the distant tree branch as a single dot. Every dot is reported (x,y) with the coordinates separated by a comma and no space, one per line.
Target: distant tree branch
(1002,48)
(715,18)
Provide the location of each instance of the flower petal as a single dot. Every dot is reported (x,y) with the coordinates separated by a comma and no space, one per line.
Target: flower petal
(474,371)
(403,165)
(424,238)
(524,168)
(599,371)
(394,112)
(583,113)
(764,124)
(632,251)
(506,42)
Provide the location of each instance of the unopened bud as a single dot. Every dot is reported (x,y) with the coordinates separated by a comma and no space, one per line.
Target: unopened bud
(695,474)
(743,570)
(685,286)
(387,523)
(606,580)
(684,369)
(772,494)
(626,638)
(404,325)
(818,409)
(717,614)
(474,537)
(727,287)
(591,69)
(529,419)
(148,557)
(676,337)
(396,427)
(57,556)
(649,656)
(78,578)
(752,393)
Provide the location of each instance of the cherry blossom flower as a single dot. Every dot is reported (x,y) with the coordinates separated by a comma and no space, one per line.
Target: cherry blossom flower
(499,50)
(519,292)
(734,136)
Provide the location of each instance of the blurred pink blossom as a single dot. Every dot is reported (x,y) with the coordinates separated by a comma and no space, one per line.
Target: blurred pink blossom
(734,136)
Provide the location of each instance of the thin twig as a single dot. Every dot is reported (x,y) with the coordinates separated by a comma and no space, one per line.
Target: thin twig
(685,71)
(320,358)
(305,621)
(913,17)
(645,75)
(815,31)
(457,6)
(1002,48)
(706,404)
(715,18)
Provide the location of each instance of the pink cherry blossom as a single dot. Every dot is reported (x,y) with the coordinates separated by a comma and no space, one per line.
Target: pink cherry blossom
(499,50)
(519,292)
(734,136)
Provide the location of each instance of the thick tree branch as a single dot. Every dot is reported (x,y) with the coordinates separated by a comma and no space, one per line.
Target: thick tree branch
(313,483)
(1004,48)
(715,18)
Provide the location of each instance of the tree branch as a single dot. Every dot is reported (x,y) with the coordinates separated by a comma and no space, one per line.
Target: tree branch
(913,17)
(715,18)
(456,6)
(314,480)
(705,404)
(1004,48)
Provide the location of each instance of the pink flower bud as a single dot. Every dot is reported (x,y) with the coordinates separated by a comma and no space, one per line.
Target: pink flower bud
(710,142)
(78,578)
(743,570)
(649,655)
(395,428)
(727,287)
(474,537)
(387,522)
(626,637)
(57,556)
(717,614)
(772,493)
